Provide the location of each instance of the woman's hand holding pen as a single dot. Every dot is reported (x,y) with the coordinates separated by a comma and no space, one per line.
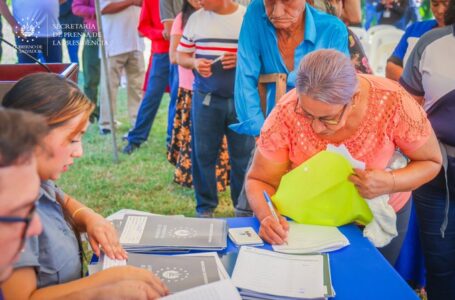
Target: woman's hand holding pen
(272,231)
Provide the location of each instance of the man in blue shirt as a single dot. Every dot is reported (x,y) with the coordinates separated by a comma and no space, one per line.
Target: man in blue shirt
(265,46)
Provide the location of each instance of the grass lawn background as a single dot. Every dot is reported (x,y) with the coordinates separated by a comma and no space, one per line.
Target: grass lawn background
(143,180)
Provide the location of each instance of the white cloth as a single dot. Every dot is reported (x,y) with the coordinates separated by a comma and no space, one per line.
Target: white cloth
(383,228)
(120,30)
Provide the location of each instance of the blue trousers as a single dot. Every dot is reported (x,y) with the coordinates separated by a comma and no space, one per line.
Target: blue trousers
(174,87)
(73,39)
(47,49)
(210,122)
(439,252)
(159,78)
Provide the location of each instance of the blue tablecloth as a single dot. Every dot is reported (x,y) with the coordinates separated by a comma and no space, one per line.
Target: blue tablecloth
(359,271)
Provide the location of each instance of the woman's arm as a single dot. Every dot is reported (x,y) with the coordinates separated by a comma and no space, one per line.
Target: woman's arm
(175,39)
(425,165)
(22,285)
(100,231)
(265,175)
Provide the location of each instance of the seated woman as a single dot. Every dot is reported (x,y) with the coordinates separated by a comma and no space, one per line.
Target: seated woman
(51,263)
(372,116)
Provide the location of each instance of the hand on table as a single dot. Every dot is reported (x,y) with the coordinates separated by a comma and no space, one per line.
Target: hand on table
(102,233)
(273,232)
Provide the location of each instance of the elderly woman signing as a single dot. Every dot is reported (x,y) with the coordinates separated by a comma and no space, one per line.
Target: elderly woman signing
(371,116)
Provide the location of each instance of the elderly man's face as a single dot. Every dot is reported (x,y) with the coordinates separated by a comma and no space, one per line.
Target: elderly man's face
(284,13)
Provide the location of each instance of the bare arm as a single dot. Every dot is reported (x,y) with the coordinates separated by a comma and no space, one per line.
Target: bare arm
(201,65)
(265,175)
(393,71)
(424,166)
(167,29)
(4,11)
(116,7)
(101,233)
(352,11)
(175,39)
(22,285)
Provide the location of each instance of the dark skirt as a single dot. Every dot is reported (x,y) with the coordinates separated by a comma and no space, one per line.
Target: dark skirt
(179,149)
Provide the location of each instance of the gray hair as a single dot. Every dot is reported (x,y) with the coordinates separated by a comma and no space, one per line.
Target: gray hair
(327,76)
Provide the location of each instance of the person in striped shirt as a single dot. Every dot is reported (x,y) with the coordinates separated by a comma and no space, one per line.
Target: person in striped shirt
(209,47)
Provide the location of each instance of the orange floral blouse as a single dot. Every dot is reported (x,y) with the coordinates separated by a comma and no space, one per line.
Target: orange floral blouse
(393,120)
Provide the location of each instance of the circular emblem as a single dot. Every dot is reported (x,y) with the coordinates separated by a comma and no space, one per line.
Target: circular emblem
(182,232)
(173,274)
(29,29)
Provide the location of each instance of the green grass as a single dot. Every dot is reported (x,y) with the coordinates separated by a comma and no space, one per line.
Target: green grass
(143,180)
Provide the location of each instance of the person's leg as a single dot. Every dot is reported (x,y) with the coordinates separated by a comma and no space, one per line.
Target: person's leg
(73,39)
(208,122)
(52,50)
(439,252)
(31,48)
(243,209)
(148,108)
(135,70)
(174,86)
(91,69)
(240,147)
(114,66)
(392,250)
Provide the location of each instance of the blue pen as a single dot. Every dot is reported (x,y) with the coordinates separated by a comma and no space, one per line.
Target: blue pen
(269,203)
(272,209)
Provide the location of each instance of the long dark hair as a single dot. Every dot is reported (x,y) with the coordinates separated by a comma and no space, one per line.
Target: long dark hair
(450,14)
(58,100)
(187,11)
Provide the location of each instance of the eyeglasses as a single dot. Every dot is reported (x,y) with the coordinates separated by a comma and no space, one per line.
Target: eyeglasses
(327,122)
(27,220)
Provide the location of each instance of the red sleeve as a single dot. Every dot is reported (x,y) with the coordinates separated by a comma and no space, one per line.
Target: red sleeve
(149,22)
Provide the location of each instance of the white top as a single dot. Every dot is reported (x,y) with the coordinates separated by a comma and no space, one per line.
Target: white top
(38,18)
(120,30)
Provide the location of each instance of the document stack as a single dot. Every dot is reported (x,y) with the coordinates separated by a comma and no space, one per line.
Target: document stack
(262,274)
(304,238)
(161,234)
(179,272)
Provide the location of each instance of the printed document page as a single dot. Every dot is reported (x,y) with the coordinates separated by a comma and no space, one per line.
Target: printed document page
(268,272)
(220,290)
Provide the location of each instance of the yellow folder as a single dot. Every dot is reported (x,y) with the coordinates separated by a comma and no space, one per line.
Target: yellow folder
(319,192)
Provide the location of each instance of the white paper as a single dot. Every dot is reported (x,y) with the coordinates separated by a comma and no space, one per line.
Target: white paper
(305,238)
(119,215)
(133,230)
(219,290)
(221,270)
(109,263)
(356,164)
(272,273)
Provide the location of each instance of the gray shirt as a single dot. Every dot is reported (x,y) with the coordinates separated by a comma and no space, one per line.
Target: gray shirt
(169,9)
(55,252)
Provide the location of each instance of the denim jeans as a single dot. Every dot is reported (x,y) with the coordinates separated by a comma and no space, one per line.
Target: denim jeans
(47,49)
(157,82)
(210,121)
(73,39)
(439,252)
(174,88)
